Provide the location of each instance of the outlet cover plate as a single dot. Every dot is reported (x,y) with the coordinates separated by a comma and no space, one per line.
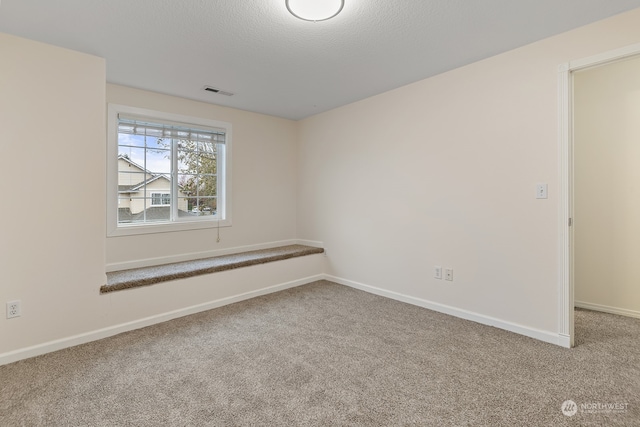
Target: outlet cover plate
(448,274)
(13,309)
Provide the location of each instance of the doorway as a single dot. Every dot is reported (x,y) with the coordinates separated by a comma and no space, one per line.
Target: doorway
(602,245)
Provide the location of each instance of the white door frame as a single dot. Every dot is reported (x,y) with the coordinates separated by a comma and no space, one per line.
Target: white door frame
(565,135)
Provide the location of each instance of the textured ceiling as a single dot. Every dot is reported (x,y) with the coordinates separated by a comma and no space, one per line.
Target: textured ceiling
(279,65)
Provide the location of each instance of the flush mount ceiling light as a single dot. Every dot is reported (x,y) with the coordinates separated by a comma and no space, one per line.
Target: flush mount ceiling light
(314,10)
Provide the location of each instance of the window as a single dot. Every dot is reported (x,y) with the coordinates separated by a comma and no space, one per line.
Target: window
(161,199)
(166,172)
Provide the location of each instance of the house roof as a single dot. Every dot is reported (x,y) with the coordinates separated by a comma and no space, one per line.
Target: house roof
(148,181)
(279,65)
(153,213)
(132,163)
(125,188)
(137,187)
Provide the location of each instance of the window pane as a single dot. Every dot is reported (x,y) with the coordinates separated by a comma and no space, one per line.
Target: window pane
(129,180)
(158,144)
(158,213)
(158,155)
(197,157)
(183,205)
(207,185)
(130,140)
(207,163)
(186,145)
(132,159)
(203,206)
(187,161)
(124,211)
(143,210)
(208,148)
(147,160)
(207,205)
(137,206)
(159,162)
(188,184)
(184,166)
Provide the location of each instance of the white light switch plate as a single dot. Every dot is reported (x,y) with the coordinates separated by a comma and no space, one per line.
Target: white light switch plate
(541,191)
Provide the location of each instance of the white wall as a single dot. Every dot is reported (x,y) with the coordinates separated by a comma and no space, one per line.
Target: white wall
(54,252)
(443,172)
(52,111)
(607,187)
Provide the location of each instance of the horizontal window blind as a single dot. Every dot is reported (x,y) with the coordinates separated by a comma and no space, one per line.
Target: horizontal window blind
(140,126)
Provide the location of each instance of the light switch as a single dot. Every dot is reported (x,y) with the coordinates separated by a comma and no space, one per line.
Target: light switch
(541,191)
(437,272)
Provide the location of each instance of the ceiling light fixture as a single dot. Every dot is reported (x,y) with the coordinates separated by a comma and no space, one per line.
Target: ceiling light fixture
(314,10)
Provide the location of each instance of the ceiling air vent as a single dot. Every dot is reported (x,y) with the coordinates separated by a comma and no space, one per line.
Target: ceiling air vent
(218,91)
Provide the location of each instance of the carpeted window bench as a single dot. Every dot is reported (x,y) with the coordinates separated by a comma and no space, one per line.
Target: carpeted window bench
(144,276)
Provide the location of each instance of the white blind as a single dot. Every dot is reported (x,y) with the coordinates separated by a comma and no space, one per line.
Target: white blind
(141,126)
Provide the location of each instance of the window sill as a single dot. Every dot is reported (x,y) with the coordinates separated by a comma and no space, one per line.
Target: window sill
(145,276)
(166,227)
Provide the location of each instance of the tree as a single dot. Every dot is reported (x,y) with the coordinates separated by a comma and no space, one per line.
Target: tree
(197,173)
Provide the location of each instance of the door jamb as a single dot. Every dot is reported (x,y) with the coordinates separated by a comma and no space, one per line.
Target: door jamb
(566,301)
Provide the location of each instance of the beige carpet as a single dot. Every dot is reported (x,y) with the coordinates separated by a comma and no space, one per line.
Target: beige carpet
(325,354)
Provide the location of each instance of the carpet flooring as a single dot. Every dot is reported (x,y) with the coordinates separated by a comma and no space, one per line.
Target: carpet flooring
(325,354)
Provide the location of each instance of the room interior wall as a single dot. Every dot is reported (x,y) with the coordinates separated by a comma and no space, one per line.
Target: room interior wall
(440,172)
(607,187)
(264,169)
(52,169)
(54,246)
(443,172)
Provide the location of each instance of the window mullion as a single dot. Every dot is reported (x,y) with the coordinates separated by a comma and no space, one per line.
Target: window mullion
(220,180)
(174,180)
(144,178)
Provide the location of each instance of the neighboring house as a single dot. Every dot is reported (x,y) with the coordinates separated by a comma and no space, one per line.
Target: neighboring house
(145,195)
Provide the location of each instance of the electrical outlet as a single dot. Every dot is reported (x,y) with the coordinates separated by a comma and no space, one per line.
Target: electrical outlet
(437,272)
(448,274)
(13,309)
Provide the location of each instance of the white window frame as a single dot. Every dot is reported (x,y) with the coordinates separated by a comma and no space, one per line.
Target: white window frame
(223,214)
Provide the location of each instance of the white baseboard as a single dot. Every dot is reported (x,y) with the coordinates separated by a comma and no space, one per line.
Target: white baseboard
(564,341)
(37,350)
(62,343)
(545,336)
(607,309)
(147,262)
